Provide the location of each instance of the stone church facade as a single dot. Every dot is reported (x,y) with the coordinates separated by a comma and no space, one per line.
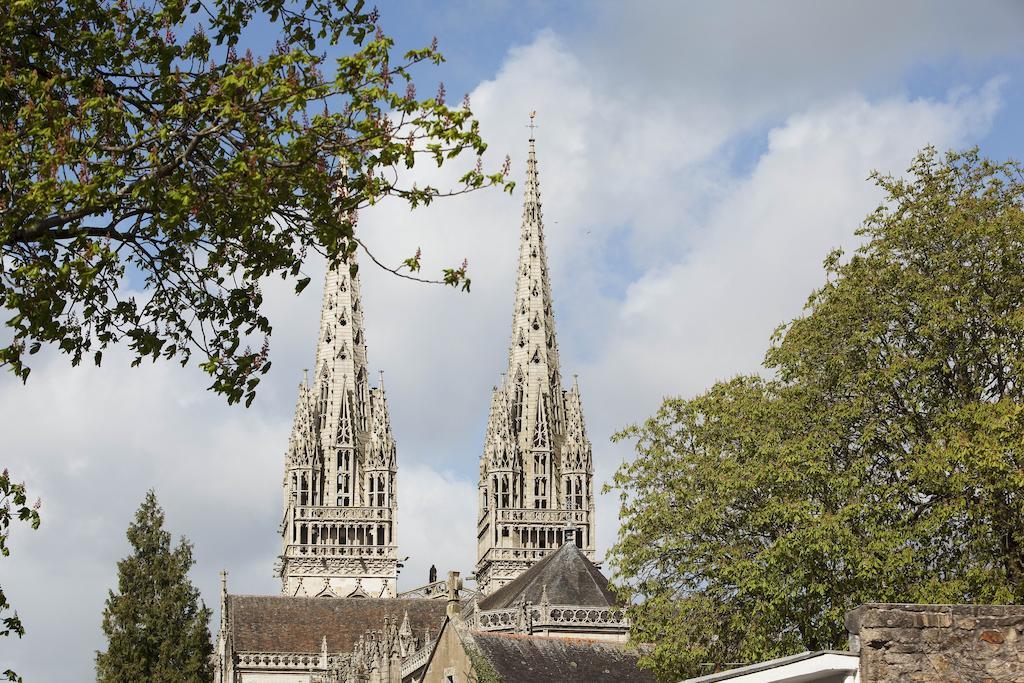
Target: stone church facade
(340,617)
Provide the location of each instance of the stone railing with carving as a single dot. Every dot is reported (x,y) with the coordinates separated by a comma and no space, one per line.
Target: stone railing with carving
(436,590)
(558,617)
(555,615)
(532,516)
(494,620)
(417,659)
(295,661)
(517,553)
(385,552)
(310,513)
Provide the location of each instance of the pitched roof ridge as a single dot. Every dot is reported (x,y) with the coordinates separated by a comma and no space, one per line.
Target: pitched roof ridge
(522,581)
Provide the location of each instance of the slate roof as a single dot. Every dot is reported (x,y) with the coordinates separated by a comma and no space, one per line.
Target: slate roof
(529,659)
(277,623)
(571,579)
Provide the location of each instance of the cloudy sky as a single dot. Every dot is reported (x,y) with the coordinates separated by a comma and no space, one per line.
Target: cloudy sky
(697,161)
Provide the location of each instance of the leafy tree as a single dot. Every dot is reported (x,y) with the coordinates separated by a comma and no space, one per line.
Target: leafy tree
(882,461)
(13,505)
(156,626)
(150,176)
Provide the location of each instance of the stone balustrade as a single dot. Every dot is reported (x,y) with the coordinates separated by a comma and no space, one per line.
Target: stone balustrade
(516,553)
(386,552)
(550,616)
(532,516)
(416,659)
(303,661)
(308,513)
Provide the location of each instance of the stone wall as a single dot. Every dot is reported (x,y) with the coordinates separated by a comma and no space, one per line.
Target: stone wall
(938,643)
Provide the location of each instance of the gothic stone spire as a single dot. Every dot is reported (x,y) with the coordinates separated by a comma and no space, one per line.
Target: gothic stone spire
(340,471)
(536,455)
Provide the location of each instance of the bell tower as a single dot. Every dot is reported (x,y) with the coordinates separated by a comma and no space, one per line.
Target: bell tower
(340,469)
(536,475)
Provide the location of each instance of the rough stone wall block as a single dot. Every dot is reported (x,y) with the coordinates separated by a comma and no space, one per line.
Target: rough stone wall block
(938,643)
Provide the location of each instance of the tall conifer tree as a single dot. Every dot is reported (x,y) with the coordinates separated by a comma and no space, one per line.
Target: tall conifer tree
(155,624)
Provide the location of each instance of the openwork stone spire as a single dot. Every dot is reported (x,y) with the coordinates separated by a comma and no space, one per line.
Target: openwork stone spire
(536,488)
(340,469)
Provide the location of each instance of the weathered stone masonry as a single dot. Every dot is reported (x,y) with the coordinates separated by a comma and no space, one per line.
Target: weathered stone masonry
(938,643)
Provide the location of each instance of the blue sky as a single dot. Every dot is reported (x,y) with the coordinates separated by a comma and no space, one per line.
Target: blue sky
(697,163)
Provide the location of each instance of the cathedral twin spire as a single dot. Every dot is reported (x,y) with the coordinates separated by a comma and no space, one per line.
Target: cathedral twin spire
(536,476)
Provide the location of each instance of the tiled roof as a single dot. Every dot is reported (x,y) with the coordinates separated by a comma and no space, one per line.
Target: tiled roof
(262,623)
(530,659)
(571,579)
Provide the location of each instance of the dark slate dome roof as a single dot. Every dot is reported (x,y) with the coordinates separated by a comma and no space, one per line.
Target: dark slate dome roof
(570,579)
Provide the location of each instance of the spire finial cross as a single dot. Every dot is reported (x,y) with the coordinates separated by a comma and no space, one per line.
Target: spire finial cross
(532,125)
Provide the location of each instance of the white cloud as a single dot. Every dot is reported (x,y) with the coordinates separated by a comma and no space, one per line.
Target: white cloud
(670,271)
(748,59)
